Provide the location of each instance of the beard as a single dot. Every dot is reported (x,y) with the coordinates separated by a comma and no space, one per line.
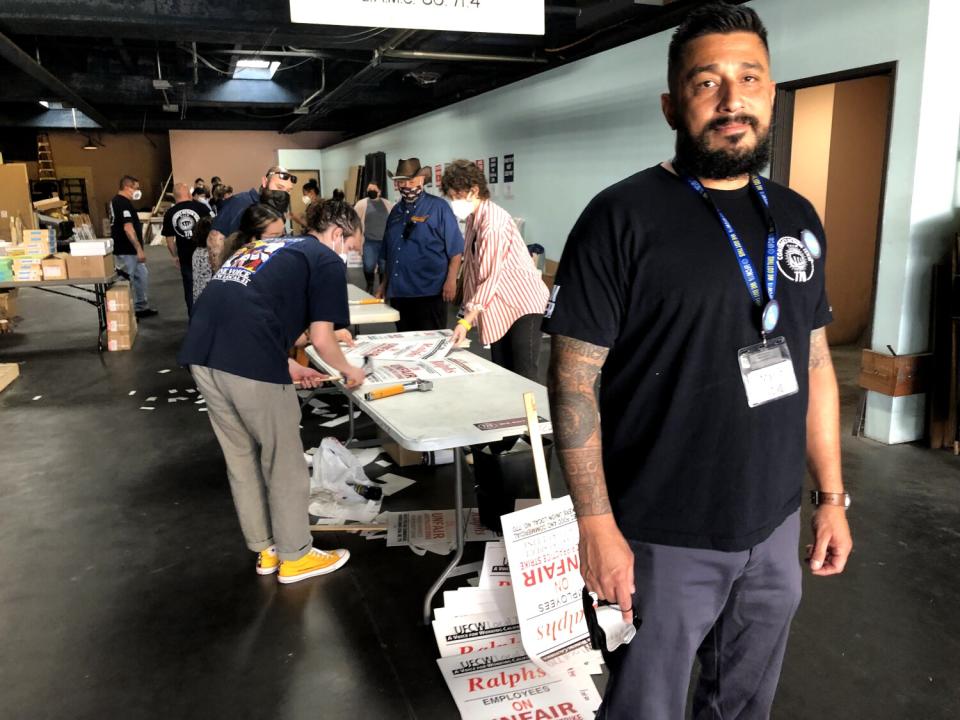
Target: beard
(695,156)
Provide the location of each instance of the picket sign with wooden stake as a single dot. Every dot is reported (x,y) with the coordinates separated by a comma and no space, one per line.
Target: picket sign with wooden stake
(536,442)
(543,548)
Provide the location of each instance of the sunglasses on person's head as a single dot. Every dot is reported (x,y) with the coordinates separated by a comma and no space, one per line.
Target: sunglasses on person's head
(284,176)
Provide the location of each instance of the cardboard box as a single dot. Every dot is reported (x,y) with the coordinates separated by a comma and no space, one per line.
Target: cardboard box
(123,321)
(49,204)
(38,248)
(8,304)
(120,298)
(894,375)
(79,267)
(401,456)
(120,341)
(549,272)
(55,267)
(88,248)
(8,373)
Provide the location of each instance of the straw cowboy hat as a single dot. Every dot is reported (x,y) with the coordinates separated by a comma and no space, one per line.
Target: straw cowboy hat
(410,168)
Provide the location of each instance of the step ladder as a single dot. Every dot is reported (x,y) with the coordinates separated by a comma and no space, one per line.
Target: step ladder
(45,158)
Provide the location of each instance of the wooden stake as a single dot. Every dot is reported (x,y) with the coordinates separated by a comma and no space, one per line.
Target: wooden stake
(536,443)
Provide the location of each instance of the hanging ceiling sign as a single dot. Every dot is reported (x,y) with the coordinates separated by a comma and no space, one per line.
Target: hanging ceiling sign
(513,17)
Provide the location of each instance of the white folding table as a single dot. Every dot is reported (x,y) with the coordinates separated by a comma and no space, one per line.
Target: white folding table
(458,412)
(368,314)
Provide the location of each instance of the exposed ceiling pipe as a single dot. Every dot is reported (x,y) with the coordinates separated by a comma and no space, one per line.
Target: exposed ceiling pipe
(10,51)
(196,76)
(305,105)
(343,87)
(457,57)
(271,53)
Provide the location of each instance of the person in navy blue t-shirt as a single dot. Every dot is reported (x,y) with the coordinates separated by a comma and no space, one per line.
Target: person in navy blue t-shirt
(270,295)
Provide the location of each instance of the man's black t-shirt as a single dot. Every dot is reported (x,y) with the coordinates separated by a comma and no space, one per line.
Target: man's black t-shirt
(260,301)
(121,213)
(179,222)
(649,273)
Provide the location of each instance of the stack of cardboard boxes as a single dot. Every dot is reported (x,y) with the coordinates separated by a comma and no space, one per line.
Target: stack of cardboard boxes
(90,259)
(29,254)
(121,318)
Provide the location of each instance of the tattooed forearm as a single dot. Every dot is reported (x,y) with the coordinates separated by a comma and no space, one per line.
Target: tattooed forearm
(819,350)
(574,369)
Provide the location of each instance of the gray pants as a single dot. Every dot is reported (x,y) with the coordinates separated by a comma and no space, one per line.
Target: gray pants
(732,610)
(258,426)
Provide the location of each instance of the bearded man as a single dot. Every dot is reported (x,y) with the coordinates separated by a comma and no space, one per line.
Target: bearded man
(697,287)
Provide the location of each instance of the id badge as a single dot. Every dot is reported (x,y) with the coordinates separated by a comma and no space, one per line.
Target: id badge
(767,372)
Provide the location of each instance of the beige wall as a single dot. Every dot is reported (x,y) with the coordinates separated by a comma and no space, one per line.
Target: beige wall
(146,157)
(857,150)
(810,149)
(239,157)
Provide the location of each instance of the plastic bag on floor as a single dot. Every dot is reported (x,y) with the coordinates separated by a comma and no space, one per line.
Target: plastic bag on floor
(336,469)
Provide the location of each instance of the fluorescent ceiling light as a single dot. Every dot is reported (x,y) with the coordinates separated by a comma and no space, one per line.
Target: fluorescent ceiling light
(91,145)
(255,69)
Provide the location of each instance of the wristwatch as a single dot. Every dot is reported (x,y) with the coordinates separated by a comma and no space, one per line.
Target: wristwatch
(818,498)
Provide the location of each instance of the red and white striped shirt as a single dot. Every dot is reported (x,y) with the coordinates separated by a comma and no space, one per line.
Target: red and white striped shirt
(500,279)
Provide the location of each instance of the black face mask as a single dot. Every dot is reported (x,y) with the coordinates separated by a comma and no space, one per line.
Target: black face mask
(277,199)
(373,194)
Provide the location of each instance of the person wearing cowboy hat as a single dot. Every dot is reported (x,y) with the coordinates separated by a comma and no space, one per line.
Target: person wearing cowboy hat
(422,249)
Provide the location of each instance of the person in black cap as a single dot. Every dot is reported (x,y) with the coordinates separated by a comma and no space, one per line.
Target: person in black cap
(422,251)
(697,287)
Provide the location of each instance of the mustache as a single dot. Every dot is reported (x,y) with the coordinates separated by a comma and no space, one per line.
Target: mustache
(739,119)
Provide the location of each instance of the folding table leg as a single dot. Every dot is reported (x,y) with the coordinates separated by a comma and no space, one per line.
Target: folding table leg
(458,554)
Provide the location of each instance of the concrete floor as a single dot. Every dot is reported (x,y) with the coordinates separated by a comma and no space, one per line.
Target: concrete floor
(129,593)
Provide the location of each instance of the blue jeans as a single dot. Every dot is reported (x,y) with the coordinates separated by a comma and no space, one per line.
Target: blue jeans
(139,276)
(372,260)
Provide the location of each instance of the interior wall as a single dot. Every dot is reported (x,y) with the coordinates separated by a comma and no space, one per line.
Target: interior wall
(854,187)
(146,157)
(579,128)
(239,157)
(810,144)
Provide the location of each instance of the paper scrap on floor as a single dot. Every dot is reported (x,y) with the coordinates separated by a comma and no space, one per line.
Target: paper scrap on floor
(152,398)
(132,393)
(384,463)
(162,372)
(365,456)
(392,483)
(340,420)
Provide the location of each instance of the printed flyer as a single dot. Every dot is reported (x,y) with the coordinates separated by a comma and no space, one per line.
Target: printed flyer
(542,545)
(500,684)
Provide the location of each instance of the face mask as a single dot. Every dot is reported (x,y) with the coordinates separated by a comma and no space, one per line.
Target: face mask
(462,208)
(373,194)
(137,194)
(343,251)
(277,199)
(306,199)
(411,194)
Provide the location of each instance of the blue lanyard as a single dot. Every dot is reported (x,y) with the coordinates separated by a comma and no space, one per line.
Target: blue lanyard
(746,267)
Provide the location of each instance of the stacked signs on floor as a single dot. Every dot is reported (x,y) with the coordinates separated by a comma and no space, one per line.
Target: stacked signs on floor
(484,657)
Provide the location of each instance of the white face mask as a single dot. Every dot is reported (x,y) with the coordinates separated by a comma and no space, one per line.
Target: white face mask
(137,194)
(343,250)
(462,208)
(306,199)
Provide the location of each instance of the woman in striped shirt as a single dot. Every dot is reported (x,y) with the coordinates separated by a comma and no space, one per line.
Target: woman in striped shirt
(503,292)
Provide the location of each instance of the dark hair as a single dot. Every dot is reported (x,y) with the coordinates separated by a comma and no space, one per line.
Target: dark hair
(127,180)
(215,180)
(201,230)
(253,222)
(322,215)
(198,180)
(339,195)
(461,176)
(717,17)
(311,185)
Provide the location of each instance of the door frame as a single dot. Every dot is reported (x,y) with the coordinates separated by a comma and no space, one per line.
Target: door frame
(783,140)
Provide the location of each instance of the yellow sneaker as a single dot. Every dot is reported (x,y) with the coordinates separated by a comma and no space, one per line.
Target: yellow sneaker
(267,561)
(316,562)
